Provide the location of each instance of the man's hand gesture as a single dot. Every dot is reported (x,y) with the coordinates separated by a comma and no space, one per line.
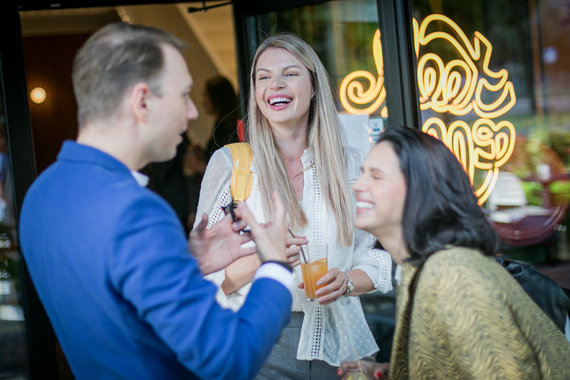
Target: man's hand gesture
(269,237)
(217,247)
(220,245)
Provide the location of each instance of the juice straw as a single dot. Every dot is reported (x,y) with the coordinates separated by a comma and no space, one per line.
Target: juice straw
(358,360)
(302,251)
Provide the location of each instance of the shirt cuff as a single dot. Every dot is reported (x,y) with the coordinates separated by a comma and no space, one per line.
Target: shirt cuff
(278,273)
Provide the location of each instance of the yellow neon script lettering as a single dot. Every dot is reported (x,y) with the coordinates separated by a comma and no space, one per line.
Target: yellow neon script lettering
(462,85)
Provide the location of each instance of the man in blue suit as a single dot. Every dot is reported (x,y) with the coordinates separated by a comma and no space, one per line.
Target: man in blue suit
(109,258)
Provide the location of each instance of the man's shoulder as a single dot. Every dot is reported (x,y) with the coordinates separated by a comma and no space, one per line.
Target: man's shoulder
(85,186)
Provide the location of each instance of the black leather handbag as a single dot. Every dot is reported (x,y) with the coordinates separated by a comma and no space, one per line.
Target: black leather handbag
(544,291)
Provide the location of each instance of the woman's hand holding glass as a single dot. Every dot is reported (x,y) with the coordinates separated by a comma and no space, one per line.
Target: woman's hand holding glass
(335,287)
(334,282)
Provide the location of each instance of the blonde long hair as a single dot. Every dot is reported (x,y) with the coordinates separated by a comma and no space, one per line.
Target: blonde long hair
(324,139)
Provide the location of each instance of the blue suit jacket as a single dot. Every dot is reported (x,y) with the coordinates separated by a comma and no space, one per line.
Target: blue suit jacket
(110,262)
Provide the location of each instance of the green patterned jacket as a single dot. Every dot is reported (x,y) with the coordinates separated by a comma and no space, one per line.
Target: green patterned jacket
(470,319)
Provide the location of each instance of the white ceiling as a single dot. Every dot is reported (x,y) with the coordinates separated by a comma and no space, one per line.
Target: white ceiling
(214,28)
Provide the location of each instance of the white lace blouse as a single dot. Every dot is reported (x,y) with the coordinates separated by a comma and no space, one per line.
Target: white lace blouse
(333,332)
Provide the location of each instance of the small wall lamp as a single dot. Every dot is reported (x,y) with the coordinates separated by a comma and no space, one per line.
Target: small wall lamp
(38,95)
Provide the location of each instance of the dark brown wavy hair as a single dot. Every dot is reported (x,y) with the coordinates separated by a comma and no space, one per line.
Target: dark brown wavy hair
(440,207)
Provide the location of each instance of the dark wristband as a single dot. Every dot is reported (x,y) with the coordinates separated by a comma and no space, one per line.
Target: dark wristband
(284,264)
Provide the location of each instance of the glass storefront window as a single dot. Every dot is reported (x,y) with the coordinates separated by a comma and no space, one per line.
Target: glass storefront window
(343,34)
(13,338)
(492,81)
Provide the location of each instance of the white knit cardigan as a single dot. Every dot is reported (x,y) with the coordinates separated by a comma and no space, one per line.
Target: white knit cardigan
(334,332)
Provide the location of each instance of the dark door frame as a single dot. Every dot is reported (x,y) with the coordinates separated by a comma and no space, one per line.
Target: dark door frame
(41,339)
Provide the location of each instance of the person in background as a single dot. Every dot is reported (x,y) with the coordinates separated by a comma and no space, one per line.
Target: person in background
(110,259)
(459,314)
(296,139)
(178,180)
(194,166)
(220,101)
(168,180)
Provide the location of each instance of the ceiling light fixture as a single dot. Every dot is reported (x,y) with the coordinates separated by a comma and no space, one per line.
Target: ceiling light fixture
(38,95)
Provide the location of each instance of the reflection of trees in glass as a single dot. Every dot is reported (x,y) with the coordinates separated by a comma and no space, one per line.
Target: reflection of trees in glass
(311,23)
(343,43)
(468,14)
(505,23)
(543,150)
(530,152)
(559,141)
(358,46)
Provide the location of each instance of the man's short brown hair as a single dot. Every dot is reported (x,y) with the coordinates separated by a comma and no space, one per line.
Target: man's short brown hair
(113,60)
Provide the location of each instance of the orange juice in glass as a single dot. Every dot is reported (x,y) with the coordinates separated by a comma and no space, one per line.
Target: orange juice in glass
(312,272)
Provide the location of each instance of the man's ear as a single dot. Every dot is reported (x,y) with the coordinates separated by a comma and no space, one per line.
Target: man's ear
(139,96)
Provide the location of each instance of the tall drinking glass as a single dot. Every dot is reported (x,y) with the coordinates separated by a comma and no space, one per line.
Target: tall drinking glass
(313,269)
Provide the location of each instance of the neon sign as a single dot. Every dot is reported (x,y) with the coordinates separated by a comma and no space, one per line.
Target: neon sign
(352,90)
(462,85)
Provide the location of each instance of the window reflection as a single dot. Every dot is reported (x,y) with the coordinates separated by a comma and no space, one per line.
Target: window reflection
(463,100)
(530,191)
(13,340)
